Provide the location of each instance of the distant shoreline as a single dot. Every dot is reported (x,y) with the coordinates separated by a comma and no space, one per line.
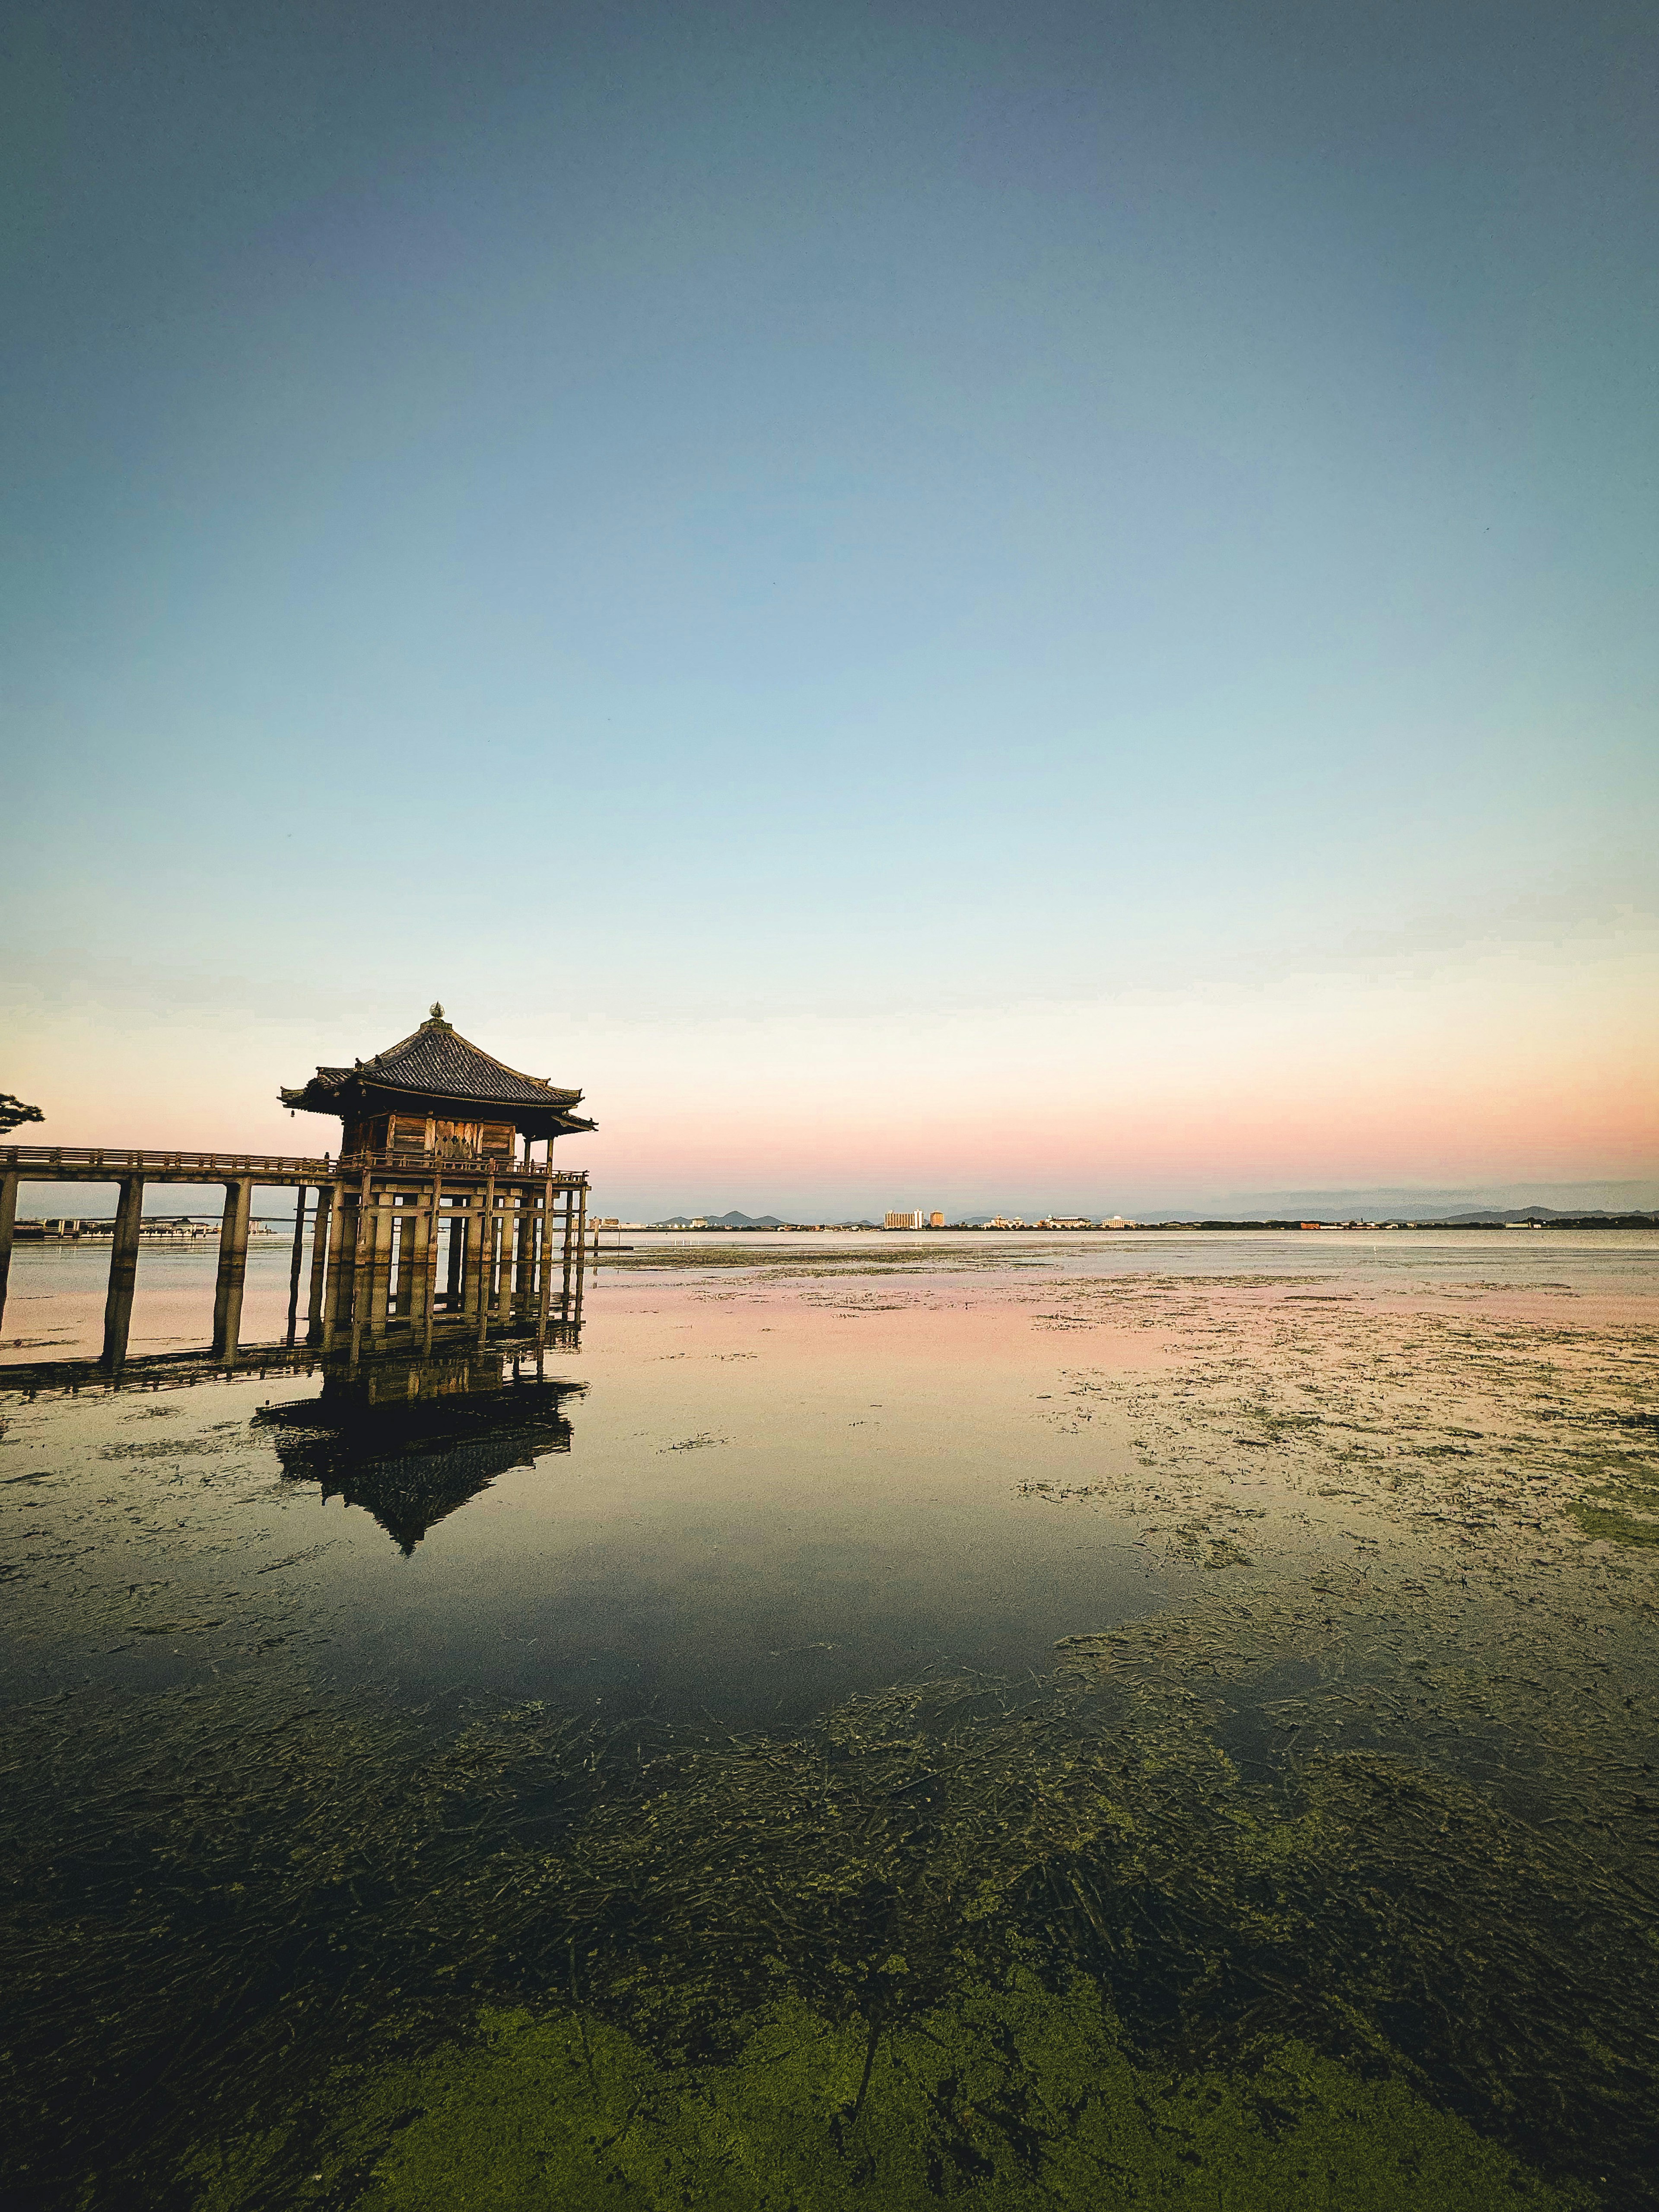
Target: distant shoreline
(271,1230)
(1125,1229)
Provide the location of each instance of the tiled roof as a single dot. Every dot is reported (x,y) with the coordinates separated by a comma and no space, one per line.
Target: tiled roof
(435,1059)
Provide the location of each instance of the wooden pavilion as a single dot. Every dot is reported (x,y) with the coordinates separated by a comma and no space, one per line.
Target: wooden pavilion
(435,1218)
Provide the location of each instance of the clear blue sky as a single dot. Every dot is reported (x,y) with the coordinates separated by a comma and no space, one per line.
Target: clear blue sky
(921,576)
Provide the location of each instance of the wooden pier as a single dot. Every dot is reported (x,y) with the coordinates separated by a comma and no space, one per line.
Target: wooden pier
(405,1248)
(429,1225)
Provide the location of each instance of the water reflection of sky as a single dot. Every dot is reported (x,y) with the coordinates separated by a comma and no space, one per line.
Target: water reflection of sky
(54,1305)
(753,1491)
(746,1513)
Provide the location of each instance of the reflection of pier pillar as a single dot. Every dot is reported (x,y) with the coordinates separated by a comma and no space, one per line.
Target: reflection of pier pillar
(123,1270)
(322,1235)
(233,1268)
(8,1222)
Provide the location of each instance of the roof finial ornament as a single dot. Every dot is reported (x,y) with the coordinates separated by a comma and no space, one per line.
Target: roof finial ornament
(437,1010)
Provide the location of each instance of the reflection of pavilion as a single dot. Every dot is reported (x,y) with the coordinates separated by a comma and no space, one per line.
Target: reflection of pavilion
(410,1439)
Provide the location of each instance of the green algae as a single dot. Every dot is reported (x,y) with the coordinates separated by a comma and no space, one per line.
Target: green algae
(959,1937)
(1612,1525)
(1014,2095)
(1624,1509)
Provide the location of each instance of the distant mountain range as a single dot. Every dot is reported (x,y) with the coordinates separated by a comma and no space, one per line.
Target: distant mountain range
(737,1221)
(1495,1216)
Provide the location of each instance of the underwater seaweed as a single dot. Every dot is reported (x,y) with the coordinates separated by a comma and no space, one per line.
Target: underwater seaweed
(279,1946)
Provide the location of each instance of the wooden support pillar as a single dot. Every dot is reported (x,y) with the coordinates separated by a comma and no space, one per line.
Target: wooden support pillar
(569,1256)
(453,1291)
(400,1249)
(581,1256)
(510,1236)
(471,1243)
(342,1265)
(384,1213)
(524,1272)
(486,1250)
(8,1223)
(432,1261)
(362,1264)
(412,1266)
(544,1258)
(385,1218)
(486,1264)
(322,1236)
(392,1274)
(122,1271)
(389,1228)
(418,1232)
(294,1265)
(232,1269)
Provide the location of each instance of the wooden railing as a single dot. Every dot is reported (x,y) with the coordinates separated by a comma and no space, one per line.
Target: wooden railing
(119,1160)
(459,1163)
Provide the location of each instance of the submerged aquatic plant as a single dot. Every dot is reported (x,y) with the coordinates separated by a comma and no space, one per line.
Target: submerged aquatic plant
(1022,1947)
(1012,2095)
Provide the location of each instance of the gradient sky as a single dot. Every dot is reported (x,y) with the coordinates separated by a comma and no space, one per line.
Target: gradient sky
(981,606)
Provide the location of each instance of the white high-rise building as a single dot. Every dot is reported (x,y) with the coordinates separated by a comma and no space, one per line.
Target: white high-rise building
(905,1221)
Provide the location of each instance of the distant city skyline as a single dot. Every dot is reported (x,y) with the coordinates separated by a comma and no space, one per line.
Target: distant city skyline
(43,1200)
(513,507)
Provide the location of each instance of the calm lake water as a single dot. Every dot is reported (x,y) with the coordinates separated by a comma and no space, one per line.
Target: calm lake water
(1162,1719)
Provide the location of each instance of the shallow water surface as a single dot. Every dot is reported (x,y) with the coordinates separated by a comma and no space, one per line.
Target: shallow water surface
(1155,1719)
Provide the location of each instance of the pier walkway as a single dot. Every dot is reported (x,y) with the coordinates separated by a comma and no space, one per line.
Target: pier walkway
(404,1246)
